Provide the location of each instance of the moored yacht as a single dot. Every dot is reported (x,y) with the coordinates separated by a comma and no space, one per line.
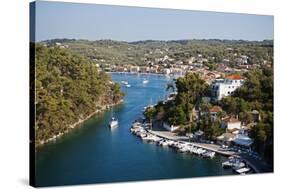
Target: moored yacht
(125,82)
(145,81)
(113,122)
(242,170)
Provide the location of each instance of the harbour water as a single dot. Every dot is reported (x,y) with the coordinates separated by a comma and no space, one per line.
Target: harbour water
(94,153)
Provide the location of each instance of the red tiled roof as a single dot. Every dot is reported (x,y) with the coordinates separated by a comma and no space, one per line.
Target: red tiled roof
(230,120)
(234,77)
(215,109)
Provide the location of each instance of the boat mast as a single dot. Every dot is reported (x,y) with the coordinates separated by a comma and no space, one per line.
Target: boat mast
(112,104)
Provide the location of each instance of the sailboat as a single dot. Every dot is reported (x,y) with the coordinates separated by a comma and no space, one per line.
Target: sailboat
(113,122)
(125,82)
(145,81)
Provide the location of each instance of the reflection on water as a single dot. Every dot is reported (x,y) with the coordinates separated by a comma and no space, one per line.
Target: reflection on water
(113,129)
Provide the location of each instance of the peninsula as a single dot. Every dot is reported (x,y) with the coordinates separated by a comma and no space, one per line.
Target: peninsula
(69,90)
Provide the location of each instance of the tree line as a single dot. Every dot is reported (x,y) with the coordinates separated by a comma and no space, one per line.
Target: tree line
(255,94)
(68,87)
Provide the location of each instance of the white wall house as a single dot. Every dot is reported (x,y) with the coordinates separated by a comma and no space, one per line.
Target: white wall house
(226,87)
(166,71)
(170,127)
(230,123)
(214,111)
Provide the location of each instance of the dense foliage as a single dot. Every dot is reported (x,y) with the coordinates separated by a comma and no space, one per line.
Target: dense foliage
(190,89)
(68,88)
(255,94)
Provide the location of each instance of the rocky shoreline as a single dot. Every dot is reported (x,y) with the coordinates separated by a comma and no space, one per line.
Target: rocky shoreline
(76,124)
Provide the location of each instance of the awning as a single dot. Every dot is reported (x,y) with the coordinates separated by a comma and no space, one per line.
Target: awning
(243,140)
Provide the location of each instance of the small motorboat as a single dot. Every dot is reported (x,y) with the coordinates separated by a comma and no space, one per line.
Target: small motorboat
(125,82)
(242,170)
(113,122)
(145,81)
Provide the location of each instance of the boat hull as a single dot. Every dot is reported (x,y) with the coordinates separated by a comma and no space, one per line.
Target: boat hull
(113,124)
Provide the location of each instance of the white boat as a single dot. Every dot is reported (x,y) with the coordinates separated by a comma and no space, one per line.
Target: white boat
(145,81)
(233,162)
(156,139)
(113,122)
(128,85)
(227,164)
(164,143)
(125,82)
(209,154)
(212,154)
(170,143)
(242,170)
(238,165)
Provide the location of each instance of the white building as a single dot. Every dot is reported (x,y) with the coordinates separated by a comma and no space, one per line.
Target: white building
(230,123)
(170,127)
(226,87)
(214,112)
(134,69)
(166,71)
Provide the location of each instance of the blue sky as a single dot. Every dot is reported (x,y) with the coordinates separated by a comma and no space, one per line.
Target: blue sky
(95,22)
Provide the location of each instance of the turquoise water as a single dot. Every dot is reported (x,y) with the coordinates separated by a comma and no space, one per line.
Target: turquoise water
(94,153)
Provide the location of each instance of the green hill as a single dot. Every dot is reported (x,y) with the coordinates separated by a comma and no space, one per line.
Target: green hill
(68,89)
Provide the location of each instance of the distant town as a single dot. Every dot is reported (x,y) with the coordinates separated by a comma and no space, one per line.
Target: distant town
(159,58)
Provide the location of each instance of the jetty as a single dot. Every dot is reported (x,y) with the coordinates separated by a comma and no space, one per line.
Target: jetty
(183,144)
(211,147)
(142,131)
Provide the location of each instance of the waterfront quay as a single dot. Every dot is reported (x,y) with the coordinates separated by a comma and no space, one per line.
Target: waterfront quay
(213,147)
(256,165)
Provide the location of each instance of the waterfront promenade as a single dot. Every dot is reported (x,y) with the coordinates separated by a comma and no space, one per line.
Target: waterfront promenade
(213,147)
(258,166)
